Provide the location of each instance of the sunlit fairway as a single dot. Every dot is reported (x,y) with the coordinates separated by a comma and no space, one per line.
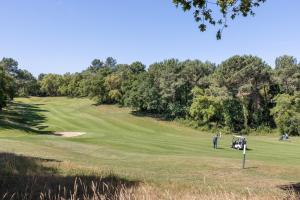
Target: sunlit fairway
(142,148)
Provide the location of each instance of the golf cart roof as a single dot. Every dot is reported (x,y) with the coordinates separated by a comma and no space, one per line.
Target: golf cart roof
(238,136)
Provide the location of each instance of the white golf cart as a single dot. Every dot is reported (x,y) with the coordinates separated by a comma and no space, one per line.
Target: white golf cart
(238,142)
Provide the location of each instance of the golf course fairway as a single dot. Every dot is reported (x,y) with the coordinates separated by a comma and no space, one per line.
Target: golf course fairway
(153,151)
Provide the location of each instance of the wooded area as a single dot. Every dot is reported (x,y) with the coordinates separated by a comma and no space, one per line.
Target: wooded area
(241,94)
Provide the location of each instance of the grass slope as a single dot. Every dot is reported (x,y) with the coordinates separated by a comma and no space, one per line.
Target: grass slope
(142,148)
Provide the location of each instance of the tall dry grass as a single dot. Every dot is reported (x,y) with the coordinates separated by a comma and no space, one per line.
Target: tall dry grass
(99,190)
(25,178)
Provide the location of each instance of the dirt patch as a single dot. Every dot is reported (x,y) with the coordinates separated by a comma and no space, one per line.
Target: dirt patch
(69,134)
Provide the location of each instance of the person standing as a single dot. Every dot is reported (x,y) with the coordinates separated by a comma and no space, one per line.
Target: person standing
(215,141)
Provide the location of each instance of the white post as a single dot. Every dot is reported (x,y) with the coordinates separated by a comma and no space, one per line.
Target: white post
(244,157)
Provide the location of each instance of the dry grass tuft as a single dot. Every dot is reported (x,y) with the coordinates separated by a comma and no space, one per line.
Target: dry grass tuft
(23,177)
(99,191)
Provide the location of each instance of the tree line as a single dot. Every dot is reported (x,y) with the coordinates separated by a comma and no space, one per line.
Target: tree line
(241,94)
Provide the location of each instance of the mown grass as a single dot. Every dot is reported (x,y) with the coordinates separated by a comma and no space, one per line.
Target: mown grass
(158,153)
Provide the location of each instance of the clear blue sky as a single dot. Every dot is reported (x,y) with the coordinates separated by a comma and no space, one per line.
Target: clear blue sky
(66,35)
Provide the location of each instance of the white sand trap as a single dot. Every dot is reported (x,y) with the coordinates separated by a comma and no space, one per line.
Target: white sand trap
(69,134)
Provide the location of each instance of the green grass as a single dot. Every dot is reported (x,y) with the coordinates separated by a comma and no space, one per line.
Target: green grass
(142,148)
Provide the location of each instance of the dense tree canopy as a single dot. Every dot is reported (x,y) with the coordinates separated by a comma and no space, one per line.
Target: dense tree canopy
(287,113)
(242,93)
(287,74)
(247,78)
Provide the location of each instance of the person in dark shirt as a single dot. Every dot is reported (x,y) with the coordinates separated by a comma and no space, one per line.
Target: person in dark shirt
(215,141)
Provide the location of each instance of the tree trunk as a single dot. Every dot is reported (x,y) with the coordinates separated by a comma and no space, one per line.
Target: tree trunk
(245,112)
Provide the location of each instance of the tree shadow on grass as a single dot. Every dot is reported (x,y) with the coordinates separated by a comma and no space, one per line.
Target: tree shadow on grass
(160,117)
(23,177)
(25,117)
(293,187)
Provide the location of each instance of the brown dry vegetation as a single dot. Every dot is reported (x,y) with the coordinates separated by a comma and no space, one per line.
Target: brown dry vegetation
(23,177)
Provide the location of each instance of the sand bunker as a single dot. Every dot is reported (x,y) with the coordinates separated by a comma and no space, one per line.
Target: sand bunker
(69,134)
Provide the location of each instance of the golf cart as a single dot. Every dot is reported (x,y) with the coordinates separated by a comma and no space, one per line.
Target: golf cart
(238,142)
(284,137)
